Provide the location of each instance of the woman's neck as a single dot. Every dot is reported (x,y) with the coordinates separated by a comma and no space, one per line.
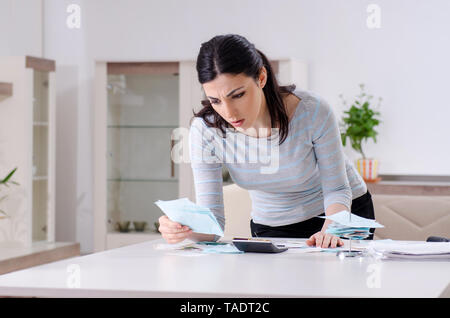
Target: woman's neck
(263,124)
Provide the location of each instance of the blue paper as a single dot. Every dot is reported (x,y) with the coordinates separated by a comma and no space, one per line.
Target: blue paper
(351,226)
(343,218)
(221,249)
(196,217)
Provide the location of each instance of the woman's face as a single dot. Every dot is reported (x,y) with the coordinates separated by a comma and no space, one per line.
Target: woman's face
(237,97)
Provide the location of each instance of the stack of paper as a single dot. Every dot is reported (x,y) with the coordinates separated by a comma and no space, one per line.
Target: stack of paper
(352,233)
(389,249)
(350,226)
(196,217)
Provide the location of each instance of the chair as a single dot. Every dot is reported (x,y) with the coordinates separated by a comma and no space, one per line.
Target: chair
(238,205)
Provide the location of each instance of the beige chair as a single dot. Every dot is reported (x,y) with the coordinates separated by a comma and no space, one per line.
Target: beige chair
(404,217)
(408,217)
(238,205)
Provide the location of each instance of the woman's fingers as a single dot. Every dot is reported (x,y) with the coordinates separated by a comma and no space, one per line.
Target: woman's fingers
(314,239)
(168,225)
(324,240)
(164,221)
(327,240)
(334,241)
(176,236)
(173,232)
(172,238)
(170,229)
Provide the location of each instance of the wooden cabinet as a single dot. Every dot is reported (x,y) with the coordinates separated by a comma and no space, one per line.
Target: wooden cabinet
(6,90)
(137,107)
(27,141)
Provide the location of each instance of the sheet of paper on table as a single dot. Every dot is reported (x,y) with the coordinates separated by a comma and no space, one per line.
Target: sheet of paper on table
(411,249)
(190,248)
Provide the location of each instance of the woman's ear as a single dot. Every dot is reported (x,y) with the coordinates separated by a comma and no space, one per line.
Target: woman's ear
(262,77)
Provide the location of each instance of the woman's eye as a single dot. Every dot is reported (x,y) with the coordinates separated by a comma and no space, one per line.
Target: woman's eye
(214,102)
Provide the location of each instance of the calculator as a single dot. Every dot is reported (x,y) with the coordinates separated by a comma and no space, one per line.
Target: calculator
(256,245)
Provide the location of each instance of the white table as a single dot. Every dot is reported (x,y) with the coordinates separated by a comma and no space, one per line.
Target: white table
(140,270)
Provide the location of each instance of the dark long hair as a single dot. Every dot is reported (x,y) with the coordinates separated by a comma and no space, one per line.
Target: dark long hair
(234,54)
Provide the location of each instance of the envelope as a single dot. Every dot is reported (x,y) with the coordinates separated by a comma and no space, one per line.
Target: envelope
(196,217)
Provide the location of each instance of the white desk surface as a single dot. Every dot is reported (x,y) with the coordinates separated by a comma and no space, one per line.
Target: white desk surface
(140,270)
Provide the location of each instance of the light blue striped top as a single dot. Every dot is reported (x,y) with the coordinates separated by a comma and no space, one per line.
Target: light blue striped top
(287,184)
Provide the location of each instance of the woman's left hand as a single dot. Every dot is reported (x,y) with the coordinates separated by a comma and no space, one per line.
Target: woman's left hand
(324,240)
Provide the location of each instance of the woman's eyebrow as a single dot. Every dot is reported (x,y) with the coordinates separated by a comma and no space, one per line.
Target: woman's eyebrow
(228,93)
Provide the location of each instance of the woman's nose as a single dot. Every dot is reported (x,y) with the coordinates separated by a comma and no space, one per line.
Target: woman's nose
(230,113)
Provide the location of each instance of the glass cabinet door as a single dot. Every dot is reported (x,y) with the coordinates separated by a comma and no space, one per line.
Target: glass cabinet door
(142,112)
(40,155)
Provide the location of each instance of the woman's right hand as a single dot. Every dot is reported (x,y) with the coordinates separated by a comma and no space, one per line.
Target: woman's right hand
(173,232)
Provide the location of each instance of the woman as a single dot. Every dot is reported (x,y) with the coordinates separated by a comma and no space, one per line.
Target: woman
(312,176)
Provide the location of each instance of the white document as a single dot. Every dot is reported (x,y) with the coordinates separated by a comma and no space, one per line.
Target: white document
(412,250)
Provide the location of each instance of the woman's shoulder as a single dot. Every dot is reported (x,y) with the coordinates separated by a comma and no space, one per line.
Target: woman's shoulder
(312,102)
(304,100)
(200,122)
(306,96)
(200,125)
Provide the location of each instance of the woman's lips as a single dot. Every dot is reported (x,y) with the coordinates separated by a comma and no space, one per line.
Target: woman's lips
(237,123)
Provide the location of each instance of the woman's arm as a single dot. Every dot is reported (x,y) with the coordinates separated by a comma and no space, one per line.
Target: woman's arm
(328,150)
(207,174)
(332,209)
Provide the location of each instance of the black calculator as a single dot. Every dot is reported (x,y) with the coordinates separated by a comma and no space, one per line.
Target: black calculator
(256,245)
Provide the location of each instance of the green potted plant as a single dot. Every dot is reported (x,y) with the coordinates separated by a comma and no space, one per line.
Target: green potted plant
(358,124)
(5,182)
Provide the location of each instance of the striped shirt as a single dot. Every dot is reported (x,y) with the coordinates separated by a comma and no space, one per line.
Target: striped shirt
(289,183)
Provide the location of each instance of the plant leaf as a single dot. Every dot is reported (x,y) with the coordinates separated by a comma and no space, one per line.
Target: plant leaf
(9,176)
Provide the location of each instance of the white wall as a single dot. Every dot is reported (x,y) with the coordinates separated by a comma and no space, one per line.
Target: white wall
(74,213)
(405,62)
(21,27)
